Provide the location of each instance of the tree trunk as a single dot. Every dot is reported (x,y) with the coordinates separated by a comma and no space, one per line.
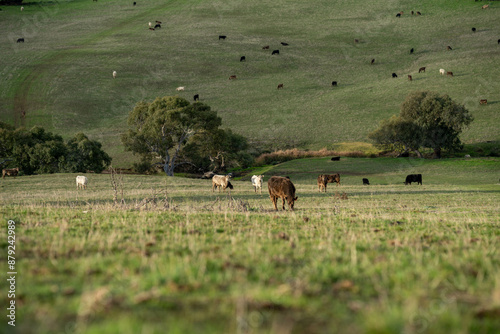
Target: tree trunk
(437,153)
(418,153)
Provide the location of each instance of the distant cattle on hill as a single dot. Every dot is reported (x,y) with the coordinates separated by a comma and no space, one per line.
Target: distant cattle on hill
(422,69)
(366,182)
(275,52)
(394,75)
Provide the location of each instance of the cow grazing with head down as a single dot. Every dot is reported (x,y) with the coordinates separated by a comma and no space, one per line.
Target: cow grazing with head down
(323,180)
(196,97)
(265,47)
(275,52)
(281,187)
(449,74)
(10,172)
(483,101)
(413,178)
(221,181)
(373,61)
(280,86)
(442,71)
(222,37)
(410,77)
(243,58)
(449,48)
(473,29)
(334,83)
(366,182)
(411,50)
(394,75)
(257,181)
(232,77)
(422,69)
(20,40)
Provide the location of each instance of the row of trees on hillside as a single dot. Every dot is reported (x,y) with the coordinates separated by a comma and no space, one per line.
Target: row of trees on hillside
(39,151)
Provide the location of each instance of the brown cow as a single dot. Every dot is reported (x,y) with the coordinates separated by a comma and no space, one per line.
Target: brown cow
(281,187)
(410,78)
(232,77)
(265,47)
(483,101)
(280,86)
(10,172)
(449,73)
(324,179)
(422,69)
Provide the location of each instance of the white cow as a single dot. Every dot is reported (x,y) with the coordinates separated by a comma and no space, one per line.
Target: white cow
(257,182)
(114,74)
(179,89)
(219,181)
(442,71)
(81,181)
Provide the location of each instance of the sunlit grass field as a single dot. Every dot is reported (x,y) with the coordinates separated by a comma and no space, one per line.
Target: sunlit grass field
(61,75)
(170,256)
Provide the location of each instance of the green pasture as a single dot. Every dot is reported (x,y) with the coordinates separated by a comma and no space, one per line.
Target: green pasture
(174,257)
(61,75)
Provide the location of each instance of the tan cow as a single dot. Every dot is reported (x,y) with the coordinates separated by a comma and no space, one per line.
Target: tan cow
(281,187)
(10,172)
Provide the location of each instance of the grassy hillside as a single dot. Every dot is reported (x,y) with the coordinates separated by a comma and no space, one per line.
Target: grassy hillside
(177,258)
(61,76)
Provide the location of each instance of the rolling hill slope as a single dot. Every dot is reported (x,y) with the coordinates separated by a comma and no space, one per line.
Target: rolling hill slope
(60,77)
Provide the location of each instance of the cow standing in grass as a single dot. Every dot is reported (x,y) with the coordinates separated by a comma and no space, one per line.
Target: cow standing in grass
(221,181)
(81,182)
(281,187)
(413,178)
(323,180)
(10,172)
(257,182)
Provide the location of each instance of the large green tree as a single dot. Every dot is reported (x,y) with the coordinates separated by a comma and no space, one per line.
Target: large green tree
(161,130)
(427,119)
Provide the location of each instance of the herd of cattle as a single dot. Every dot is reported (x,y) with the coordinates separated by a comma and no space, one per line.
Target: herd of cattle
(278,186)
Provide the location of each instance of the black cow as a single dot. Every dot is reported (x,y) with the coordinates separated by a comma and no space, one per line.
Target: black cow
(334,83)
(242,58)
(335,159)
(411,51)
(222,37)
(366,182)
(473,29)
(499,41)
(196,97)
(157,25)
(135,3)
(373,61)
(284,44)
(398,15)
(275,52)
(394,75)
(413,178)
(20,40)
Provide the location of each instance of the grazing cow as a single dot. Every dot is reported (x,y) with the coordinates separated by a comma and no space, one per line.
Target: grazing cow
(394,75)
(412,12)
(410,78)
(449,48)
(222,37)
(150,24)
(22,8)
(153,29)
(242,58)
(418,13)
(81,182)
(485,6)
(398,15)
(442,71)
(265,47)
(114,74)
(257,182)
(157,25)
(499,41)
(232,77)
(135,3)
(411,50)
(483,101)
(373,61)
(220,181)
(356,40)
(335,159)
(413,178)
(10,172)
(179,89)
(334,83)
(473,29)
(281,187)
(467,156)
(20,40)
(275,52)
(280,86)
(365,181)
(323,180)
(196,97)
(449,73)
(422,69)
(284,44)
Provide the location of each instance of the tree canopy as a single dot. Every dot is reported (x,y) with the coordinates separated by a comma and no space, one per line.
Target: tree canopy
(171,132)
(39,151)
(427,119)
